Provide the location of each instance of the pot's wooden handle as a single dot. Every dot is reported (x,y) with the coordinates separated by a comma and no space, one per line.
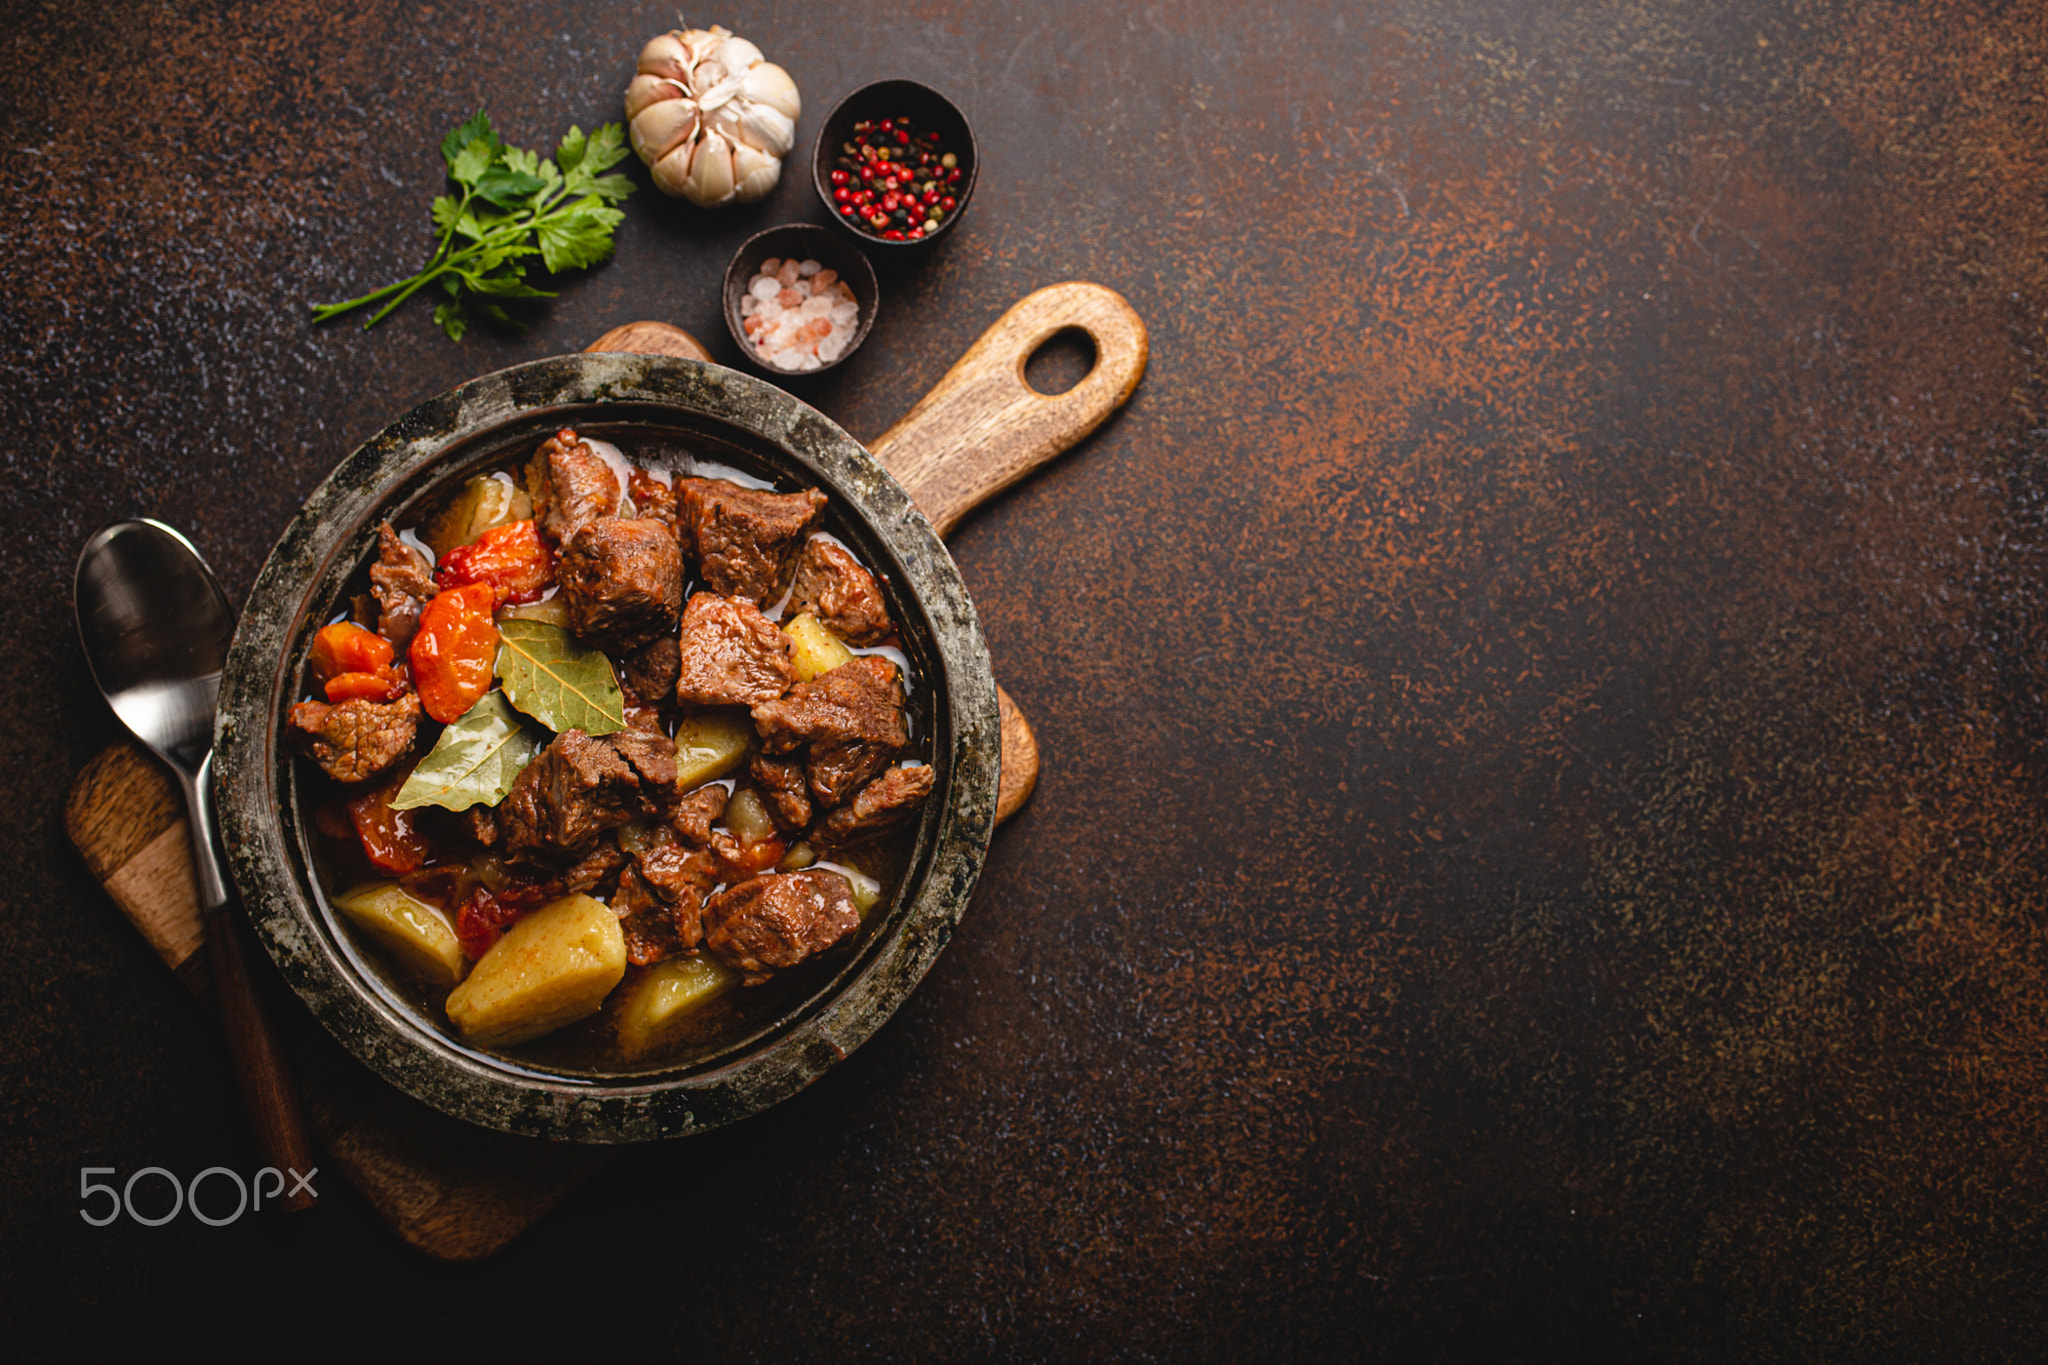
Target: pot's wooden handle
(650,338)
(982,428)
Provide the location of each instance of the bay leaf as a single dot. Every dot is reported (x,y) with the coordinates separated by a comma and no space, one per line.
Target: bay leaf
(475,759)
(558,682)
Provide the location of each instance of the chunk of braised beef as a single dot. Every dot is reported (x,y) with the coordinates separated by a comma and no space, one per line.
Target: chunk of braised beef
(688,917)
(648,922)
(675,863)
(356,740)
(579,787)
(859,701)
(672,865)
(834,587)
(781,783)
(692,815)
(596,872)
(682,876)
(622,581)
(401,580)
(650,671)
(852,719)
(570,485)
(877,808)
(746,539)
(635,896)
(775,921)
(652,755)
(837,771)
(730,654)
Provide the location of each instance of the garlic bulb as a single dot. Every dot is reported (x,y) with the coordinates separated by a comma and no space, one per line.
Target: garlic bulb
(710,118)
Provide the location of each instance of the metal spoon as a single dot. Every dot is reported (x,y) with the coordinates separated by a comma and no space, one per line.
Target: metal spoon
(156,628)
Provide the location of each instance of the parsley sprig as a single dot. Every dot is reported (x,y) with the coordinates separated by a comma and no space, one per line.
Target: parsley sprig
(513,204)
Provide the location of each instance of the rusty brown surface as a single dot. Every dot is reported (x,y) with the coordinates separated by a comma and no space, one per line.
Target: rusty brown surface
(1541,690)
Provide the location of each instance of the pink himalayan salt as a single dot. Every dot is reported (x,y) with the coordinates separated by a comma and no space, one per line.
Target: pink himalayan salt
(802,324)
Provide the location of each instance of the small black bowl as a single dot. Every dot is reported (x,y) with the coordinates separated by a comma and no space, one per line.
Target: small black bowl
(803,242)
(893,99)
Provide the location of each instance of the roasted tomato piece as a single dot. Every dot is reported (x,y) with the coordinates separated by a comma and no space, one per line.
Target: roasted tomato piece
(452,652)
(391,838)
(511,558)
(485,916)
(346,647)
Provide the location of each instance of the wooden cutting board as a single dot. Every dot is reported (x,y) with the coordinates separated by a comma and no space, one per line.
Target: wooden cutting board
(461,1193)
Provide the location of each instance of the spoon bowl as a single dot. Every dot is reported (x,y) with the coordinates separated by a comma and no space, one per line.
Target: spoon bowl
(156,629)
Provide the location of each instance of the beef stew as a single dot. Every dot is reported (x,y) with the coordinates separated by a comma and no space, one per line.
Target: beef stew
(648,794)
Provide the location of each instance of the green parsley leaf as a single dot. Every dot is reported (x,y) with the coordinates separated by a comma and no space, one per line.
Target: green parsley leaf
(471,162)
(508,188)
(511,203)
(604,149)
(607,149)
(569,155)
(495,254)
(612,187)
(509,287)
(580,237)
(449,318)
(477,127)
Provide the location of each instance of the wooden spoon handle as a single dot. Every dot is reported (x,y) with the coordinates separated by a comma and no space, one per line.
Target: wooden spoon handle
(982,427)
(269,1093)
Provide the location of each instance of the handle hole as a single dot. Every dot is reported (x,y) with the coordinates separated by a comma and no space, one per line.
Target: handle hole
(1061,361)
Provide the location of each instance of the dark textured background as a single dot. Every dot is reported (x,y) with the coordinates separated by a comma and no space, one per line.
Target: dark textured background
(1541,688)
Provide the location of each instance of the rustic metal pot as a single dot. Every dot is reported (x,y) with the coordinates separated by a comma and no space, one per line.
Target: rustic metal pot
(270,845)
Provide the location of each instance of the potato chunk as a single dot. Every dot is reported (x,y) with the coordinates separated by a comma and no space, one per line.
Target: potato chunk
(814,648)
(552,968)
(413,931)
(710,744)
(670,992)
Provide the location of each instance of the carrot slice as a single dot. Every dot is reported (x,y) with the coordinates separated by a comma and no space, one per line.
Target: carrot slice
(452,652)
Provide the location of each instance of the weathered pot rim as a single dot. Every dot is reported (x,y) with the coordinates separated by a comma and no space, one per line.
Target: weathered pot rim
(316,555)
